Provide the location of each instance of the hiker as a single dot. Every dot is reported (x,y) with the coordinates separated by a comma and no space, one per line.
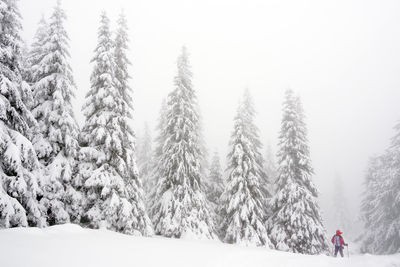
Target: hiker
(338,241)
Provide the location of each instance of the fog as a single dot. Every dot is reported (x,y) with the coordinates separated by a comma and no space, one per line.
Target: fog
(341,57)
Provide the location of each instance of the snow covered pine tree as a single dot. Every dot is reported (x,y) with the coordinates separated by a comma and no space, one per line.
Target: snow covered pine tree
(372,213)
(55,139)
(381,205)
(19,183)
(242,203)
(180,208)
(132,179)
(391,202)
(157,168)
(295,224)
(114,197)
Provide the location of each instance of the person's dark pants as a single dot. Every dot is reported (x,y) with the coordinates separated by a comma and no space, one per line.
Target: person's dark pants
(340,249)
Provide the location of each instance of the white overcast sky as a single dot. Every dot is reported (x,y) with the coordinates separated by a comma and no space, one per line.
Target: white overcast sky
(342,57)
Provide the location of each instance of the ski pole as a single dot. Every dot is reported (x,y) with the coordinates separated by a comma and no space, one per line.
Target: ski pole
(348,251)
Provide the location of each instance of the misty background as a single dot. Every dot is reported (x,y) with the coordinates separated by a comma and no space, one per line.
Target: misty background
(341,57)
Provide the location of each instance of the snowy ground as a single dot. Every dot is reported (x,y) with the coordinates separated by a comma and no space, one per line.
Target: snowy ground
(73,246)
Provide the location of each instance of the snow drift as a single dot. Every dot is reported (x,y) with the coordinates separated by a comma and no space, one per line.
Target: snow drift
(70,245)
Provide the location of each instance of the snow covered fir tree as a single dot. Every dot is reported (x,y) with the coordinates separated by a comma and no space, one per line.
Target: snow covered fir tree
(180,208)
(158,152)
(381,203)
(242,202)
(371,205)
(295,224)
(56,134)
(107,169)
(20,179)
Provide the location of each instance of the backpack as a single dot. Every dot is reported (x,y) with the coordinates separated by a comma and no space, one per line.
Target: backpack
(336,240)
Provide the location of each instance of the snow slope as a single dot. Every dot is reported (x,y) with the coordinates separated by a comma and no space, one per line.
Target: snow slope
(70,245)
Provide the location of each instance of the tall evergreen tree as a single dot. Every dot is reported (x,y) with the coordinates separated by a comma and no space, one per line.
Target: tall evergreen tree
(372,204)
(108,170)
(242,203)
(295,224)
(55,141)
(392,237)
(145,159)
(180,208)
(381,203)
(122,77)
(20,186)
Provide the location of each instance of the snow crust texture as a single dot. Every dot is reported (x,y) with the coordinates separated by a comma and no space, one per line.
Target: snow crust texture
(21,247)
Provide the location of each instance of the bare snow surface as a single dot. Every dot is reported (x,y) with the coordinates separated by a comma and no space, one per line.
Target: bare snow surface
(72,246)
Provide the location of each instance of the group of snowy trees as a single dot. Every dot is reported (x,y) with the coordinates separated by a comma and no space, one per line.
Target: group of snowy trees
(381,204)
(53,172)
(245,207)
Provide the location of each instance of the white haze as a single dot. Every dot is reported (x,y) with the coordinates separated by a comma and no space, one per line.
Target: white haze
(342,57)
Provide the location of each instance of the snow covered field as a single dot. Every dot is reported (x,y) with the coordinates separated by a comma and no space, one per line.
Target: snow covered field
(72,246)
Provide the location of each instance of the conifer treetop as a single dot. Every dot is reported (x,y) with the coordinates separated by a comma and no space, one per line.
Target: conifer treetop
(122,75)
